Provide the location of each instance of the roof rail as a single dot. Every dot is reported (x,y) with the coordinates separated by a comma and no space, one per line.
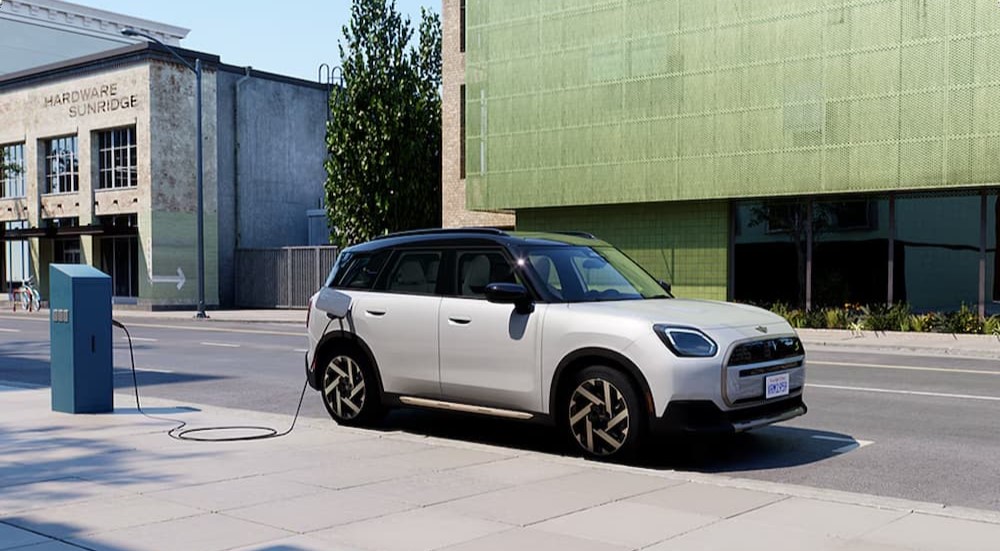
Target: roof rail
(445,231)
(583,234)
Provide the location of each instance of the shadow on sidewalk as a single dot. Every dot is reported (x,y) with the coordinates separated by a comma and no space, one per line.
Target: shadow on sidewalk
(773,447)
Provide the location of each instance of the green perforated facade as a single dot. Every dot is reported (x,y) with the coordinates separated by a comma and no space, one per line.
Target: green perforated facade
(588,102)
(684,244)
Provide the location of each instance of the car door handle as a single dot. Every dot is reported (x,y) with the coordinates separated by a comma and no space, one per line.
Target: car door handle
(459,321)
(375,313)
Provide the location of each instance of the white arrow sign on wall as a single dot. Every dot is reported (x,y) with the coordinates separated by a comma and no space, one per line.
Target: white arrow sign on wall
(179,279)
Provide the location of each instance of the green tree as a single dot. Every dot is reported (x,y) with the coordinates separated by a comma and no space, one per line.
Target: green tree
(384,135)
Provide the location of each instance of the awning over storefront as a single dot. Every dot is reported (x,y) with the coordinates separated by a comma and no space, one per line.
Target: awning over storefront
(67,231)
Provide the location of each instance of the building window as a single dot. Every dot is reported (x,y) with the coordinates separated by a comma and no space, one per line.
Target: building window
(16,257)
(461,136)
(12,170)
(62,165)
(120,253)
(461,39)
(67,250)
(117,158)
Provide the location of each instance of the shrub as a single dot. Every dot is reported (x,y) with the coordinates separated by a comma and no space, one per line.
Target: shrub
(992,326)
(920,323)
(962,321)
(885,317)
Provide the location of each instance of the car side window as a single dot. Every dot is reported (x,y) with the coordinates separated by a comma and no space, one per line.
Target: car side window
(415,273)
(362,272)
(477,269)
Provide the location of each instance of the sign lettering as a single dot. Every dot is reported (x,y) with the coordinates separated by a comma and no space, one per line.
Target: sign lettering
(81,102)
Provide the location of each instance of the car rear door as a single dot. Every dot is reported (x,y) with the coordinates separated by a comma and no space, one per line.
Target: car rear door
(399,321)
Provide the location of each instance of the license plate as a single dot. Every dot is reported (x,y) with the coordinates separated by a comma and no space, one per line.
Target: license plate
(775,386)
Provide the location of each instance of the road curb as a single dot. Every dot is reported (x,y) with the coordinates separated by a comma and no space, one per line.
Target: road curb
(905,350)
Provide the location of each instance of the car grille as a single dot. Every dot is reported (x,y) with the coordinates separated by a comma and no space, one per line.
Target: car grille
(750,363)
(766,350)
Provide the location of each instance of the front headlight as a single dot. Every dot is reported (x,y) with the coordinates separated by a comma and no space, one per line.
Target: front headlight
(686,342)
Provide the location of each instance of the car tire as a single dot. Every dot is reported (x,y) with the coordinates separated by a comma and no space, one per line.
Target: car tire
(602,414)
(349,388)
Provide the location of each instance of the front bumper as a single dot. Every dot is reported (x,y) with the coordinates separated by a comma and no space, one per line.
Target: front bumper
(703,416)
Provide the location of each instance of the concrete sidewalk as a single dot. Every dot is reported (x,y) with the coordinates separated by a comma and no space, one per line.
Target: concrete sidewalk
(117,483)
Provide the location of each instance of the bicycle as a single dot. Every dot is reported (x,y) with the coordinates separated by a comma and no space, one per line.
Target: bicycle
(31,299)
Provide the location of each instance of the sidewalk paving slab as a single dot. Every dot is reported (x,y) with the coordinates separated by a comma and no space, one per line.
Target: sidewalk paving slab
(106,482)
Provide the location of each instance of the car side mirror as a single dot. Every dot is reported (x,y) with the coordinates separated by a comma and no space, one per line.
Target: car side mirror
(335,303)
(511,293)
(666,287)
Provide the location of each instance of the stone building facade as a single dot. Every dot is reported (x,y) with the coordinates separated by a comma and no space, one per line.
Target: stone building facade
(104,155)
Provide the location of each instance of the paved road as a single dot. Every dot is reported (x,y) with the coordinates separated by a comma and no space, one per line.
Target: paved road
(914,427)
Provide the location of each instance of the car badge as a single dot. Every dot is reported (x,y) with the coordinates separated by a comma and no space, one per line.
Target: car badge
(761,328)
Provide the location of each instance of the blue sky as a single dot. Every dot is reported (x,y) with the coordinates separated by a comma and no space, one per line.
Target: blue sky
(291,38)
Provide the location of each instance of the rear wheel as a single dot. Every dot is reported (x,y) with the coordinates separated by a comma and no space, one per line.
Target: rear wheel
(350,391)
(603,415)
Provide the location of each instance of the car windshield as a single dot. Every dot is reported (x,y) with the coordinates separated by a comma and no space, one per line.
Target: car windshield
(590,274)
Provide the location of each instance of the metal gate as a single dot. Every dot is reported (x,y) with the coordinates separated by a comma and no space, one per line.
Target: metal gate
(281,278)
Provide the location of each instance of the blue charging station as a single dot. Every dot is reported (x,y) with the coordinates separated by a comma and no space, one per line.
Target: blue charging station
(80,334)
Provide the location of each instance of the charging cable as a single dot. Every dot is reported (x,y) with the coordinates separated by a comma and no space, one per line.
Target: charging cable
(179,432)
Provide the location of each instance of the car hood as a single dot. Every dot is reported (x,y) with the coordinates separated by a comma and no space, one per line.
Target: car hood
(703,314)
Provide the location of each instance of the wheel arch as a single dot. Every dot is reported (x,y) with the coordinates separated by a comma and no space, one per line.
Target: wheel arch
(584,357)
(336,341)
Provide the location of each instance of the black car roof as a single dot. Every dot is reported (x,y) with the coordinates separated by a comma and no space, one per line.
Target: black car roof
(477,237)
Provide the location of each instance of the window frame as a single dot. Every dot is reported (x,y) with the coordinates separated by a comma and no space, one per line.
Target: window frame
(72,176)
(14,178)
(131,152)
(454,288)
(382,282)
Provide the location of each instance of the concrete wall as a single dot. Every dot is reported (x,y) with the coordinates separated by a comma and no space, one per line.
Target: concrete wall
(172,238)
(272,146)
(281,137)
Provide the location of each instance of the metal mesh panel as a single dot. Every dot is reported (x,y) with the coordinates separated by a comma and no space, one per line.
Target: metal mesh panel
(281,278)
(618,101)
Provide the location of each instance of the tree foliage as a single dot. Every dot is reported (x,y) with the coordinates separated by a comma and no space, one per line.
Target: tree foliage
(384,135)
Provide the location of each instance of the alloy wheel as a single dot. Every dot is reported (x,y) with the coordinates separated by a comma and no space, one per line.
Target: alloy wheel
(344,387)
(598,417)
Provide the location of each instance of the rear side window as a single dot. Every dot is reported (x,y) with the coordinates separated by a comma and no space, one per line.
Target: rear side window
(415,273)
(358,271)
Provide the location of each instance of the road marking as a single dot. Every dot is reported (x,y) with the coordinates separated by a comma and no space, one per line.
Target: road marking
(219,329)
(125,371)
(908,392)
(141,339)
(852,443)
(906,367)
(222,344)
(3,330)
(183,328)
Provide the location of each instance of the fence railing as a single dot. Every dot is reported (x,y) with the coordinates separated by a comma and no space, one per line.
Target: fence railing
(281,278)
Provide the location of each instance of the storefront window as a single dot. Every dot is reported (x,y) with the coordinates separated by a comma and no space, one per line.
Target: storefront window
(16,257)
(120,254)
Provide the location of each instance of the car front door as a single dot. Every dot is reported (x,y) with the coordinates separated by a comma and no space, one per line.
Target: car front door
(399,321)
(489,352)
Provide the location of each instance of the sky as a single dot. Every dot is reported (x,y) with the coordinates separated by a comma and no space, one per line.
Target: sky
(290,38)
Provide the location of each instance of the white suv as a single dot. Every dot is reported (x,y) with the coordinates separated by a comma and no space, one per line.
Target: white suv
(558,328)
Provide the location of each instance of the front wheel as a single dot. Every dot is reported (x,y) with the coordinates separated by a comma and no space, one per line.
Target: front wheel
(603,414)
(350,391)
